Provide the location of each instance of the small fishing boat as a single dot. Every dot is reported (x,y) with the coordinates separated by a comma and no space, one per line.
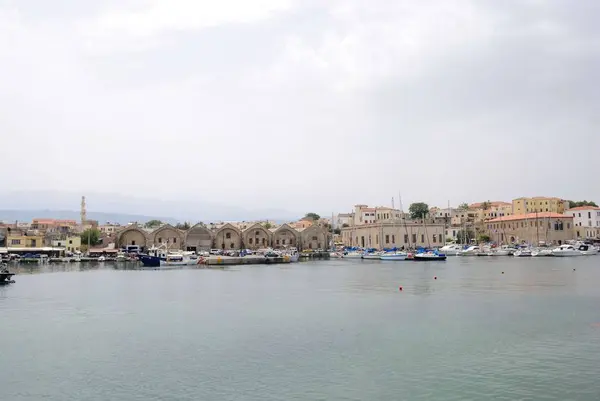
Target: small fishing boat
(6,276)
(161,258)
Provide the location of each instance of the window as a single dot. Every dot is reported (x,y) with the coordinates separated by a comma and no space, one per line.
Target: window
(277,242)
(414,238)
(314,238)
(174,240)
(434,238)
(393,239)
(231,246)
(568,225)
(159,240)
(15,242)
(228,235)
(282,241)
(406,238)
(387,239)
(250,241)
(579,214)
(377,239)
(70,242)
(423,238)
(589,215)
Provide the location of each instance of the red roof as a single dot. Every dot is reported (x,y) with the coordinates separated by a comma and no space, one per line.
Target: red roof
(583,208)
(531,216)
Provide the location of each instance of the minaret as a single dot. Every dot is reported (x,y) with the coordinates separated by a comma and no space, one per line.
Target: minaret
(83,211)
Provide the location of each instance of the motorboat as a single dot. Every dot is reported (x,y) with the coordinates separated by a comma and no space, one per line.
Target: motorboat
(484,251)
(566,250)
(429,256)
(101,259)
(542,252)
(353,255)
(335,254)
(6,276)
(470,251)
(587,249)
(372,255)
(393,256)
(523,253)
(160,257)
(504,250)
(291,253)
(451,249)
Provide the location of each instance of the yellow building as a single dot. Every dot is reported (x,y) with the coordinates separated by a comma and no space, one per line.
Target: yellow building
(70,243)
(24,241)
(539,204)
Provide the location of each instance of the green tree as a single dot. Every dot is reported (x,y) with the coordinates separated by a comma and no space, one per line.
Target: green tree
(463,206)
(267,225)
(465,238)
(418,210)
(337,231)
(484,238)
(153,224)
(183,226)
(91,235)
(582,203)
(312,216)
(486,205)
(345,225)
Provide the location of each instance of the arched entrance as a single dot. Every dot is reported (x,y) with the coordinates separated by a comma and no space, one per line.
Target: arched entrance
(228,237)
(198,238)
(285,237)
(256,237)
(168,235)
(131,237)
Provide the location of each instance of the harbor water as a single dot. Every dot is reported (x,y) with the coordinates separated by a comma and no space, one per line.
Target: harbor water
(486,328)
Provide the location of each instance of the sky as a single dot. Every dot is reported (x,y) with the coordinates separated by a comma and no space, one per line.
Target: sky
(312,105)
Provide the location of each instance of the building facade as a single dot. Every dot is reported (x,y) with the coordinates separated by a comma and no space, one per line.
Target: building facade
(586,221)
(539,204)
(20,240)
(389,235)
(531,228)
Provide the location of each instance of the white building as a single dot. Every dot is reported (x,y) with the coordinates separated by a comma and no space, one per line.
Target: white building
(586,221)
(364,214)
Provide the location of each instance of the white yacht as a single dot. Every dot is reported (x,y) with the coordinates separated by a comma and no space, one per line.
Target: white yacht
(504,250)
(354,255)
(451,249)
(566,250)
(470,251)
(540,252)
(523,253)
(586,249)
(393,256)
(372,255)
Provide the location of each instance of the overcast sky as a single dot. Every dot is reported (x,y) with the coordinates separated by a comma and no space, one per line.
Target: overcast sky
(302,105)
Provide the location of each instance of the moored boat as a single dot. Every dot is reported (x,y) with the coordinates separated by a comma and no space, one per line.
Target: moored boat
(523,252)
(566,250)
(587,249)
(6,276)
(393,256)
(429,256)
(160,257)
(451,249)
(470,251)
(372,255)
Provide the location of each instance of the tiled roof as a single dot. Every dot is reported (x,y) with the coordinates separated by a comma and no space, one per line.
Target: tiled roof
(531,216)
(583,208)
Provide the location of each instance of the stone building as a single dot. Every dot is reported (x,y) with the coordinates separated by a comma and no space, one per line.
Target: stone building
(226,236)
(400,235)
(546,227)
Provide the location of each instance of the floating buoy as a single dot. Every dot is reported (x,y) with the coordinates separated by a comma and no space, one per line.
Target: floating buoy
(573,269)
(435,277)
(502,272)
(400,288)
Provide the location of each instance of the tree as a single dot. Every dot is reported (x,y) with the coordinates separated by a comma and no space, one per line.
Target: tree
(484,238)
(92,236)
(267,225)
(345,225)
(312,216)
(465,239)
(185,226)
(463,206)
(582,203)
(153,223)
(337,231)
(486,205)
(418,210)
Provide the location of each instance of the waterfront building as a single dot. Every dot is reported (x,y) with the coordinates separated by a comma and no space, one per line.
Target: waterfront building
(343,219)
(227,237)
(406,234)
(71,243)
(491,210)
(364,214)
(17,239)
(539,204)
(547,227)
(586,221)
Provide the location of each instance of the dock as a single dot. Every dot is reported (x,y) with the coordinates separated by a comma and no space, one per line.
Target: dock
(246,260)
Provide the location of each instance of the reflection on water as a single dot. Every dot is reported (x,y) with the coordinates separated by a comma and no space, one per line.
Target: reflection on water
(323,330)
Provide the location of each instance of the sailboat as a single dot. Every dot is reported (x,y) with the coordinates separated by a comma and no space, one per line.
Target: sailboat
(428,255)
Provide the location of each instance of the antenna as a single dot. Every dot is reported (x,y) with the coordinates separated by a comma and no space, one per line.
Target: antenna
(83,211)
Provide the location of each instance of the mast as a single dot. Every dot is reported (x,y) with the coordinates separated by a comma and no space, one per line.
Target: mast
(537,229)
(404,219)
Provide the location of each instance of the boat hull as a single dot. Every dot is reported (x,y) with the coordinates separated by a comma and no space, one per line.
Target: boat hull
(393,257)
(371,257)
(566,254)
(429,258)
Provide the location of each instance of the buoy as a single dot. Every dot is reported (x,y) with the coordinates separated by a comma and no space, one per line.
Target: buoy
(435,277)
(573,269)
(400,288)
(502,272)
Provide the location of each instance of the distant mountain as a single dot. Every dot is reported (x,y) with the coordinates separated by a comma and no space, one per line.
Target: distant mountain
(124,208)
(9,216)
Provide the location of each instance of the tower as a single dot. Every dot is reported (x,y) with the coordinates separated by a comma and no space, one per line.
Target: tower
(83,211)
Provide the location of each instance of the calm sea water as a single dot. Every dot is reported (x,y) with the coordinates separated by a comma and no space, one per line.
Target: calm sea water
(335,330)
